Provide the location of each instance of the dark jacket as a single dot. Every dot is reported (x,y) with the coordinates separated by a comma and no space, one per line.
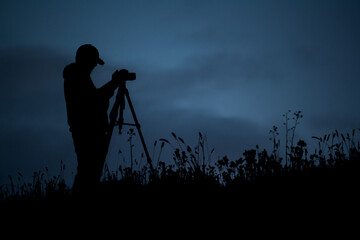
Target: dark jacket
(85,104)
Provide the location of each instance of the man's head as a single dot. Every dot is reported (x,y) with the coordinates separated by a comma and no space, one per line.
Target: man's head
(87,55)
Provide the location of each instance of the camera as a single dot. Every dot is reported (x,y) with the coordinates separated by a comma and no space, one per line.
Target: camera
(124,75)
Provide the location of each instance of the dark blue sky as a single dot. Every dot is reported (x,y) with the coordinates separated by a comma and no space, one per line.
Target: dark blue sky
(229,69)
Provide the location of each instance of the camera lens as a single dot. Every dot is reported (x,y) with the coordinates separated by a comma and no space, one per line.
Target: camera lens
(131,76)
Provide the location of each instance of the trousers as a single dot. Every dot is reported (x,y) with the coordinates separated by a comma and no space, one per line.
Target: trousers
(91,150)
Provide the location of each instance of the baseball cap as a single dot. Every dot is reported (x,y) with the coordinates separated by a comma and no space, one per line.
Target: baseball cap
(88,52)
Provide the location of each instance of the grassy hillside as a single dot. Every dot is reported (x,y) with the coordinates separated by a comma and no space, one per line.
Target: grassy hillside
(327,173)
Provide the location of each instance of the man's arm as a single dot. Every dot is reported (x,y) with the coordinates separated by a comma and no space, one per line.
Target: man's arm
(107,91)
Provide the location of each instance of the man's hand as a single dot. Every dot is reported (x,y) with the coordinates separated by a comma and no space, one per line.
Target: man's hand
(119,76)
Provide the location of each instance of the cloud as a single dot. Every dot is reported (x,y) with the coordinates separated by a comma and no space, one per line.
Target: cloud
(330,122)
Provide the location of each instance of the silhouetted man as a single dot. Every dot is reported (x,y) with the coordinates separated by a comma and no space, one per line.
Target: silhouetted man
(87,116)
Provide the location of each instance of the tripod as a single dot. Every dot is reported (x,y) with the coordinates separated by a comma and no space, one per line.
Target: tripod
(119,105)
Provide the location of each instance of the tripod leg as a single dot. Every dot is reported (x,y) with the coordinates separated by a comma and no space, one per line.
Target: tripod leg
(138,128)
(118,105)
(121,109)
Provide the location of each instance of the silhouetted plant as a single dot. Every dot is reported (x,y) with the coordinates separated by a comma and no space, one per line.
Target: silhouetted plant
(333,149)
(276,142)
(193,165)
(290,132)
(41,188)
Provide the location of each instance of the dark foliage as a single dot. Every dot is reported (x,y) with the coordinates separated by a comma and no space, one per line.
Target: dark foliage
(329,173)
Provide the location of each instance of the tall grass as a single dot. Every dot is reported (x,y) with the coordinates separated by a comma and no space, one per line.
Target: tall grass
(42,187)
(336,154)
